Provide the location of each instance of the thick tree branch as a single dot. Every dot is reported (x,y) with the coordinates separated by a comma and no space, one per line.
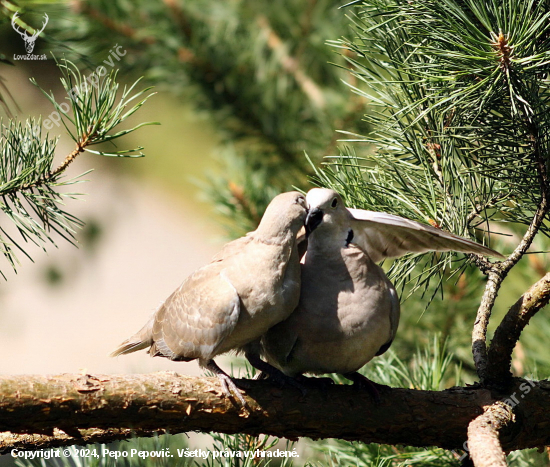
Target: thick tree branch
(508,332)
(78,409)
(483,436)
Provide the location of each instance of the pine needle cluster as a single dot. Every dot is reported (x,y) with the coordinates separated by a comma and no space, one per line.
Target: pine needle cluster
(30,195)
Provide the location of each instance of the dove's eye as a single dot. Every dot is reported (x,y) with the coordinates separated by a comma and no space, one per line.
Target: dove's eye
(334,203)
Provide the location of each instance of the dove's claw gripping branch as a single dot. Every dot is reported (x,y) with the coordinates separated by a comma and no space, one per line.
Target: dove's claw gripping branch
(228,385)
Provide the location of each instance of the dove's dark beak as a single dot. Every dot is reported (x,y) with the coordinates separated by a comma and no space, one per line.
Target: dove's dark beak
(313,219)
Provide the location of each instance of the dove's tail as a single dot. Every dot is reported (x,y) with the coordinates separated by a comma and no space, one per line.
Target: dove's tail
(140,340)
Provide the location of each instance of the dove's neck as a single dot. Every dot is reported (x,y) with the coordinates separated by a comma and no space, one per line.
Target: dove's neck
(276,231)
(325,240)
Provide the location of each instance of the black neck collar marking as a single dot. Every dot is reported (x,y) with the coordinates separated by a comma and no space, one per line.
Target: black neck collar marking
(349,237)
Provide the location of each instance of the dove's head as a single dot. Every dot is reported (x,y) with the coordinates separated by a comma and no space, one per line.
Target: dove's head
(284,217)
(328,214)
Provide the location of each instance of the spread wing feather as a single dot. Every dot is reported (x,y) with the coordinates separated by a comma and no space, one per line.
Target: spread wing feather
(384,235)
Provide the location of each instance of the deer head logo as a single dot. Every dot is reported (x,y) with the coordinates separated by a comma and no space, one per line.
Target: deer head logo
(29,40)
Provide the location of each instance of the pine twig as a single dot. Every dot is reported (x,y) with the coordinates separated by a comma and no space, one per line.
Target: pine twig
(52,175)
(80,146)
(109,23)
(498,272)
(70,158)
(28,178)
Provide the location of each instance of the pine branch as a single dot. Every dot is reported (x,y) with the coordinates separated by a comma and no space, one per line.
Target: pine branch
(496,275)
(479,332)
(130,32)
(498,271)
(50,178)
(111,405)
(80,146)
(460,124)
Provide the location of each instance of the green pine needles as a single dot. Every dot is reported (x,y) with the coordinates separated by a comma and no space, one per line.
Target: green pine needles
(91,113)
(458,93)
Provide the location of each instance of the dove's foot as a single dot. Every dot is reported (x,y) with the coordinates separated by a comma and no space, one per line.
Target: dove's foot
(364,383)
(229,386)
(275,375)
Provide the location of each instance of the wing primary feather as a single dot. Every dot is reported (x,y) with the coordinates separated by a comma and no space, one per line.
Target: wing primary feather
(380,229)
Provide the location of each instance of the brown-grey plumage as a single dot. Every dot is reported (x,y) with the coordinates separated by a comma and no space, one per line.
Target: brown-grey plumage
(250,286)
(349,310)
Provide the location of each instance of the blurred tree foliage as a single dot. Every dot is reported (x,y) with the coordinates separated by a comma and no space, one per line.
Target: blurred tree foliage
(261,69)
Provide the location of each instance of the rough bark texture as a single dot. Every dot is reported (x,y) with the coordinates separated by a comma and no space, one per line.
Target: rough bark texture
(483,436)
(509,330)
(97,408)
(479,332)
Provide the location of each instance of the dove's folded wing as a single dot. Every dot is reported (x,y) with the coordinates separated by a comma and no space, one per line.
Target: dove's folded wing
(197,317)
(384,235)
